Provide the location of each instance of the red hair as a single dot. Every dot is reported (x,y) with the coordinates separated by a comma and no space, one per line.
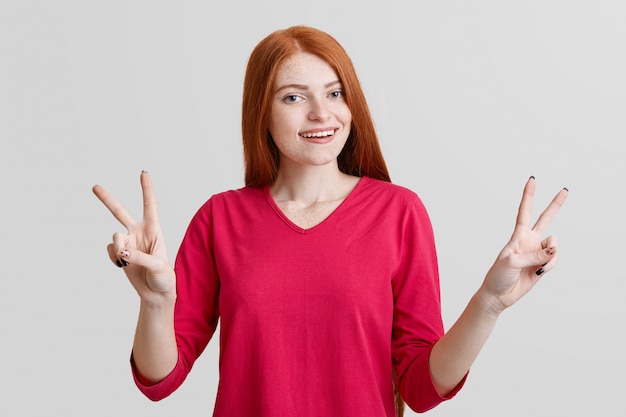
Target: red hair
(361,155)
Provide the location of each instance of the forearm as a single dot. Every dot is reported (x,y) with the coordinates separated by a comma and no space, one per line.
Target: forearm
(453,355)
(155,352)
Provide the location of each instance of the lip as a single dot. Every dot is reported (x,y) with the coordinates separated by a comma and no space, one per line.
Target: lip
(320,139)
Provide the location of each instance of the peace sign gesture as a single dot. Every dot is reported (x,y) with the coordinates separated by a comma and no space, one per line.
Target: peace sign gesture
(526,257)
(141,252)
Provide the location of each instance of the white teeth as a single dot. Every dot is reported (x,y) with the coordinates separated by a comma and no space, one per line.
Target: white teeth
(318,134)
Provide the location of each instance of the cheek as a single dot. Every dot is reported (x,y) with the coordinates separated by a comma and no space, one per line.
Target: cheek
(274,132)
(346,119)
(278,132)
(279,121)
(345,114)
(271,123)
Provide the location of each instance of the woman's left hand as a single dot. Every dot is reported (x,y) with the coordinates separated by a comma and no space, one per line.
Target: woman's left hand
(526,257)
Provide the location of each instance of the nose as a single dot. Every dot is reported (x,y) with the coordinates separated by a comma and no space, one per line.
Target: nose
(318,110)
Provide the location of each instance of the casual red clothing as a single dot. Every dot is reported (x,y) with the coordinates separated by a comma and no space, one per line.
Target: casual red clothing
(310,319)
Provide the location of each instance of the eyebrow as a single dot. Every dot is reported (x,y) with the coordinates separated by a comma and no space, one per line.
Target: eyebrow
(304,87)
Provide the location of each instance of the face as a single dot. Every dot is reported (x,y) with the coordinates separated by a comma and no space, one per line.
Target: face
(309,120)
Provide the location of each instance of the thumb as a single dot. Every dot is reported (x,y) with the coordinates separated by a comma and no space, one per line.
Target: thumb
(542,259)
(152,263)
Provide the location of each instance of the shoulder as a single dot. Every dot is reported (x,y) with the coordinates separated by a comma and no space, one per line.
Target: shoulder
(236,195)
(390,193)
(239,194)
(233,199)
(394,206)
(389,199)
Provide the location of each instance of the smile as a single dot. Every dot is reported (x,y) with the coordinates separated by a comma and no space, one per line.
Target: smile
(322,134)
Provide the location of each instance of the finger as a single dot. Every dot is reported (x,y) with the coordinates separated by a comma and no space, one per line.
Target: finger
(548,214)
(150,212)
(120,241)
(526,205)
(545,268)
(114,207)
(135,257)
(539,260)
(115,258)
(549,241)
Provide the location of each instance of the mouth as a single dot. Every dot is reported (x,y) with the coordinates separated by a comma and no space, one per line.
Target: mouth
(321,136)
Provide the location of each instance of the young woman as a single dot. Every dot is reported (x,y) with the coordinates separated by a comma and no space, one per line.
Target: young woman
(322,273)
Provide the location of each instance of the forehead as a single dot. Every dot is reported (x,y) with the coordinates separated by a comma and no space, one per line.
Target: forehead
(302,67)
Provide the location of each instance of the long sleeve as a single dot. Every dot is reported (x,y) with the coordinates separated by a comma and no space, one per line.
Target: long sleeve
(417,322)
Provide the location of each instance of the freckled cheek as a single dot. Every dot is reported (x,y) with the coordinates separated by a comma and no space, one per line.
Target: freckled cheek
(279,125)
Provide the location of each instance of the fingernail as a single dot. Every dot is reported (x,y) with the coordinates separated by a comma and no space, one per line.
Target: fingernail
(124,263)
(143,171)
(539,271)
(532,177)
(119,263)
(565,188)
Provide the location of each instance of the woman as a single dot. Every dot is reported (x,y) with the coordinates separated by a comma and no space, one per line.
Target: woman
(322,273)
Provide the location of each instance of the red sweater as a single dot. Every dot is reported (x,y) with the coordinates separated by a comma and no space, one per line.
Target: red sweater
(311,320)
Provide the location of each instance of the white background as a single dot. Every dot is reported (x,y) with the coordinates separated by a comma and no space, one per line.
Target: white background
(470,98)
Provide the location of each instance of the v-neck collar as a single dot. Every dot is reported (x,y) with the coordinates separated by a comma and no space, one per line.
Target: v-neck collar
(327,219)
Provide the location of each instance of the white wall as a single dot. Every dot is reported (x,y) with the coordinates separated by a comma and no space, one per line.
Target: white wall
(470,98)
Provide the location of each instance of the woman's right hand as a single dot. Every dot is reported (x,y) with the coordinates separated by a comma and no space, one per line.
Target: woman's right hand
(141,251)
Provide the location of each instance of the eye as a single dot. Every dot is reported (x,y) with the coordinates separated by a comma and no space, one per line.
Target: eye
(292,98)
(338,94)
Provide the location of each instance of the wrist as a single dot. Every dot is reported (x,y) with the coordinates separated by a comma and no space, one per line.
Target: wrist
(159,301)
(489,302)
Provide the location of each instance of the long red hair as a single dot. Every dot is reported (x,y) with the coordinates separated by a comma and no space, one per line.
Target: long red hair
(361,155)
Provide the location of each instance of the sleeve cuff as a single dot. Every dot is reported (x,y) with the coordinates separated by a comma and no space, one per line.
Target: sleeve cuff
(156,391)
(418,388)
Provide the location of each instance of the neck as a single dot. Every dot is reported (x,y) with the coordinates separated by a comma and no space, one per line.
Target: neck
(308,185)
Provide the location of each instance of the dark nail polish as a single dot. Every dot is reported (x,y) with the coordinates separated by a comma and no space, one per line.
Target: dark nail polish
(532,177)
(539,271)
(124,263)
(119,263)
(565,188)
